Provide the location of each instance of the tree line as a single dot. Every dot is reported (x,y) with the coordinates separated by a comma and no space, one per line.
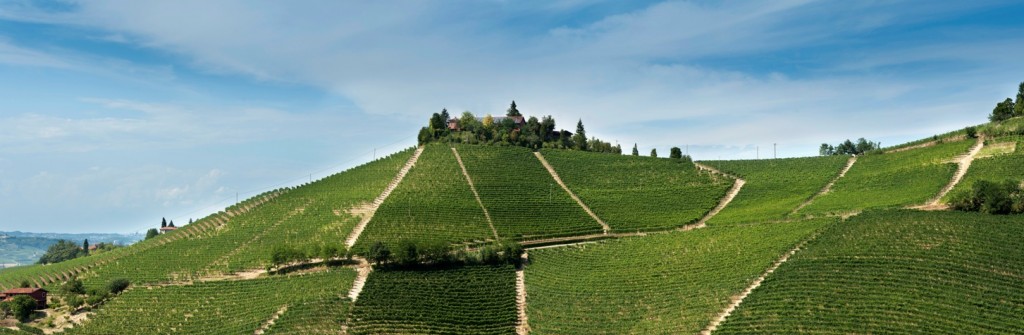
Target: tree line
(512,129)
(1008,108)
(862,146)
(990,197)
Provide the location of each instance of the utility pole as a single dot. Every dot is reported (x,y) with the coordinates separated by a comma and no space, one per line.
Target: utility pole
(775,152)
(687,149)
(757,152)
(236,197)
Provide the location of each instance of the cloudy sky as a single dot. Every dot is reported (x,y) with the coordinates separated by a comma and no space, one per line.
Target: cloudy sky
(114,113)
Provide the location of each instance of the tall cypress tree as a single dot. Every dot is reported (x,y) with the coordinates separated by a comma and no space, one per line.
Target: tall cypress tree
(1018,107)
(85,246)
(636,152)
(580,138)
(163,223)
(512,110)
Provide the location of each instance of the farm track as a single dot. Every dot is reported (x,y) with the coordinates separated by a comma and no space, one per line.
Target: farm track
(828,187)
(735,190)
(738,299)
(372,208)
(270,322)
(363,270)
(963,164)
(522,322)
(472,187)
(554,175)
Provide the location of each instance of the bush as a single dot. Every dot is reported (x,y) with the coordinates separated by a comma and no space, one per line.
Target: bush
(379,253)
(990,198)
(74,301)
(972,132)
(21,307)
(73,286)
(118,285)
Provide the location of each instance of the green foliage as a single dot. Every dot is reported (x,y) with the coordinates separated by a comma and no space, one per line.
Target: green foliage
(862,146)
(1003,111)
(636,151)
(217,307)
(1018,106)
(892,179)
(72,286)
(20,307)
(668,283)
(889,272)
(675,153)
(118,285)
(579,139)
(457,300)
(972,132)
(512,110)
(316,315)
(654,153)
(523,200)
(379,253)
(639,193)
(774,187)
(74,301)
(1000,167)
(61,251)
(990,198)
(432,204)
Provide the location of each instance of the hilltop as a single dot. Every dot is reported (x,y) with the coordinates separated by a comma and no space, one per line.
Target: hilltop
(457,237)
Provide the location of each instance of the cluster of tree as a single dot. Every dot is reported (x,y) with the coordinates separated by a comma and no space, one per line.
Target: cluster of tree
(64,250)
(1008,108)
(20,307)
(284,255)
(849,148)
(530,132)
(74,294)
(409,253)
(990,197)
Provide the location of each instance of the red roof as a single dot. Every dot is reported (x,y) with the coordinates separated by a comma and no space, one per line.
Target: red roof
(23,290)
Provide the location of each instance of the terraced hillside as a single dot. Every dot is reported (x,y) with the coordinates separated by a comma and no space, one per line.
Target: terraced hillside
(433,204)
(892,179)
(523,199)
(633,193)
(897,271)
(671,283)
(774,187)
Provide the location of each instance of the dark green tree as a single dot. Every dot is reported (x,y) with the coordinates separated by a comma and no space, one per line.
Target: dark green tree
(73,286)
(61,251)
(379,253)
(579,139)
(151,233)
(25,284)
(117,285)
(170,223)
(675,153)
(408,253)
(163,222)
(547,128)
(636,152)
(85,246)
(1004,110)
(21,307)
(654,152)
(1018,107)
(971,132)
(512,110)
(445,117)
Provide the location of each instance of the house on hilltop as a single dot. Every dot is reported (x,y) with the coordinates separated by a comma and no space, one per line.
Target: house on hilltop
(35,293)
(167,229)
(454,125)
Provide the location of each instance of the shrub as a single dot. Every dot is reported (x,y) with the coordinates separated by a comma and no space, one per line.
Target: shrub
(118,285)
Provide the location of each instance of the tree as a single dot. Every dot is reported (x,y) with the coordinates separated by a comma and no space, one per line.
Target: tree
(73,286)
(118,285)
(971,132)
(170,224)
(163,223)
(826,150)
(488,122)
(379,253)
(436,123)
(24,284)
(1004,110)
(85,246)
(636,152)
(675,153)
(1018,107)
(547,128)
(512,111)
(407,254)
(21,307)
(61,251)
(444,117)
(654,152)
(580,138)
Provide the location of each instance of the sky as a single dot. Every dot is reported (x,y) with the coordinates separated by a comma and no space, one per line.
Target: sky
(116,113)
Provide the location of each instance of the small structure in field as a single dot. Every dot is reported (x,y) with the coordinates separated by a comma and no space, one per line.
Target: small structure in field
(36,293)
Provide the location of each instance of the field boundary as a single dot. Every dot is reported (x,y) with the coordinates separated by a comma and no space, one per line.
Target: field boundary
(372,208)
(828,187)
(270,322)
(522,322)
(472,187)
(554,174)
(737,185)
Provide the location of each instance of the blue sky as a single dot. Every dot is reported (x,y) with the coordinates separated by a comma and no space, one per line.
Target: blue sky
(115,113)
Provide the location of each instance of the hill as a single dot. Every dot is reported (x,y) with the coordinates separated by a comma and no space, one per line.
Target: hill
(498,239)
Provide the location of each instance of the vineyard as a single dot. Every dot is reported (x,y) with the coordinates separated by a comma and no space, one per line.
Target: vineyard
(892,179)
(522,198)
(221,307)
(774,187)
(461,300)
(671,283)
(995,168)
(639,193)
(433,204)
(897,272)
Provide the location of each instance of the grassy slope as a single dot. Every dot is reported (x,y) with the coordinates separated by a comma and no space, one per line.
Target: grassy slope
(224,307)
(775,186)
(523,199)
(892,179)
(461,300)
(897,272)
(670,283)
(638,193)
(432,204)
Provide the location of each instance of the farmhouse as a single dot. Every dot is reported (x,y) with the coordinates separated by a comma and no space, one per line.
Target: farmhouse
(167,229)
(36,293)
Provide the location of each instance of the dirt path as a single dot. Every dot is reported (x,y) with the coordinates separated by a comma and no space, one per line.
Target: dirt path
(736,186)
(963,163)
(828,187)
(362,272)
(738,299)
(372,209)
(475,194)
(523,324)
(270,322)
(551,170)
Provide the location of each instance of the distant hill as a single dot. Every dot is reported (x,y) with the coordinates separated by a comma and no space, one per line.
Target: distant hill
(20,248)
